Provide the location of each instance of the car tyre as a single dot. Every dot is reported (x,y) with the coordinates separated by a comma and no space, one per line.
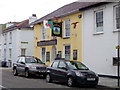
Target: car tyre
(48,78)
(15,73)
(27,74)
(70,82)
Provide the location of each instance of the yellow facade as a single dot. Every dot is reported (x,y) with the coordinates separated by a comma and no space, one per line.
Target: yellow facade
(75,40)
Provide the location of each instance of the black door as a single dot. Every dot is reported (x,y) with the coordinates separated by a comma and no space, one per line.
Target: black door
(62,71)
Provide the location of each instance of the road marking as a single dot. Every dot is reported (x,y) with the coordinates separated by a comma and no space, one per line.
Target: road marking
(2,86)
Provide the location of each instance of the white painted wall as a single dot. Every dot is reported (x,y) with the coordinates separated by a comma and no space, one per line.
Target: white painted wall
(18,36)
(98,50)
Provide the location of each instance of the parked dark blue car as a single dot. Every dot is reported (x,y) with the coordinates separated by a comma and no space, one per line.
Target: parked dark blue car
(71,72)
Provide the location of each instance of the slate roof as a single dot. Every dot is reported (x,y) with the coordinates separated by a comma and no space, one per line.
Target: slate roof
(69,8)
(23,24)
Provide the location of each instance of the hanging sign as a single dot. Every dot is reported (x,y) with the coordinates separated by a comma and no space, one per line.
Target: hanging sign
(57,29)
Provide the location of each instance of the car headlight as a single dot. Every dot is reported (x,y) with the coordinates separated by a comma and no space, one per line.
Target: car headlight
(78,73)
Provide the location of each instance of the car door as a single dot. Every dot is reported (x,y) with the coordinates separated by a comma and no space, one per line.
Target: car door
(22,65)
(62,71)
(53,70)
(18,65)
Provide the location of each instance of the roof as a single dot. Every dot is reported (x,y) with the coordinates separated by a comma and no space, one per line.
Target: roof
(23,24)
(67,9)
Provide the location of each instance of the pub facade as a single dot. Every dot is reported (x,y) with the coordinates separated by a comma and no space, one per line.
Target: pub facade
(58,34)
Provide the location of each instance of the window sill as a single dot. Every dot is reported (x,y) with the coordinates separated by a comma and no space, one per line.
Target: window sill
(66,37)
(118,30)
(98,33)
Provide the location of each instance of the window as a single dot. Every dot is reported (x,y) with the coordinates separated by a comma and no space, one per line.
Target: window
(67,28)
(43,54)
(47,56)
(4,54)
(10,38)
(67,52)
(99,21)
(5,39)
(55,64)
(10,53)
(62,64)
(117,17)
(42,33)
(23,52)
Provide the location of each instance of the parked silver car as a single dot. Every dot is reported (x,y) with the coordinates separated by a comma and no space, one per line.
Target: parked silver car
(29,65)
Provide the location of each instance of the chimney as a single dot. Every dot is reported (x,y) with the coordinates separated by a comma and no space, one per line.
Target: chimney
(32,18)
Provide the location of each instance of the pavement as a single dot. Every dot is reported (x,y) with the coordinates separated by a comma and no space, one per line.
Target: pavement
(109,82)
(103,81)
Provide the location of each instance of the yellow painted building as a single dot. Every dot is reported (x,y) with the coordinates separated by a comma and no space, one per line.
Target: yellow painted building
(69,46)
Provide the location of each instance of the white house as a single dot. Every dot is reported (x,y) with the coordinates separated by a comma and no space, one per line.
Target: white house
(18,40)
(100,28)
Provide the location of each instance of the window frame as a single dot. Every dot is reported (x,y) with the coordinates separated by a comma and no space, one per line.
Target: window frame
(43,33)
(65,51)
(114,16)
(95,18)
(10,35)
(65,31)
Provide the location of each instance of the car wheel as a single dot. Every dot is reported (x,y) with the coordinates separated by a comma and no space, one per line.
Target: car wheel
(15,72)
(70,82)
(48,78)
(27,73)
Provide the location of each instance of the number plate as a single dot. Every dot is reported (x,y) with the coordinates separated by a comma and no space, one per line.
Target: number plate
(91,79)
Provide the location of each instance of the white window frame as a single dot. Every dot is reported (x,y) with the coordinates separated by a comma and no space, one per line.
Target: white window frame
(10,42)
(5,38)
(24,52)
(10,53)
(41,57)
(43,33)
(65,32)
(115,24)
(101,31)
(64,56)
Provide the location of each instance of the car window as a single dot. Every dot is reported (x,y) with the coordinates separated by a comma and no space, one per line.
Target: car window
(22,59)
(19,60)
(39,61)
(62,64)
(76,65)
(30,60)
(55,64)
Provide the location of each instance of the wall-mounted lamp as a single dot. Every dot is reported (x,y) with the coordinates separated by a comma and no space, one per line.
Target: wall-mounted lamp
(80,16)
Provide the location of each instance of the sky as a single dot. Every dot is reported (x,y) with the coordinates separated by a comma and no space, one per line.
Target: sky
(19,10)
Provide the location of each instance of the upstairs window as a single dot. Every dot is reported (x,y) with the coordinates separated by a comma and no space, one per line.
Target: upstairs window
(67,28)
(5,39)
(117,17)
(43,33)
(10,38)
(99,21)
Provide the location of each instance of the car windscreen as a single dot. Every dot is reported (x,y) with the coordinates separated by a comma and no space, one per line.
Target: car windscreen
(33,60)
(76,65)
